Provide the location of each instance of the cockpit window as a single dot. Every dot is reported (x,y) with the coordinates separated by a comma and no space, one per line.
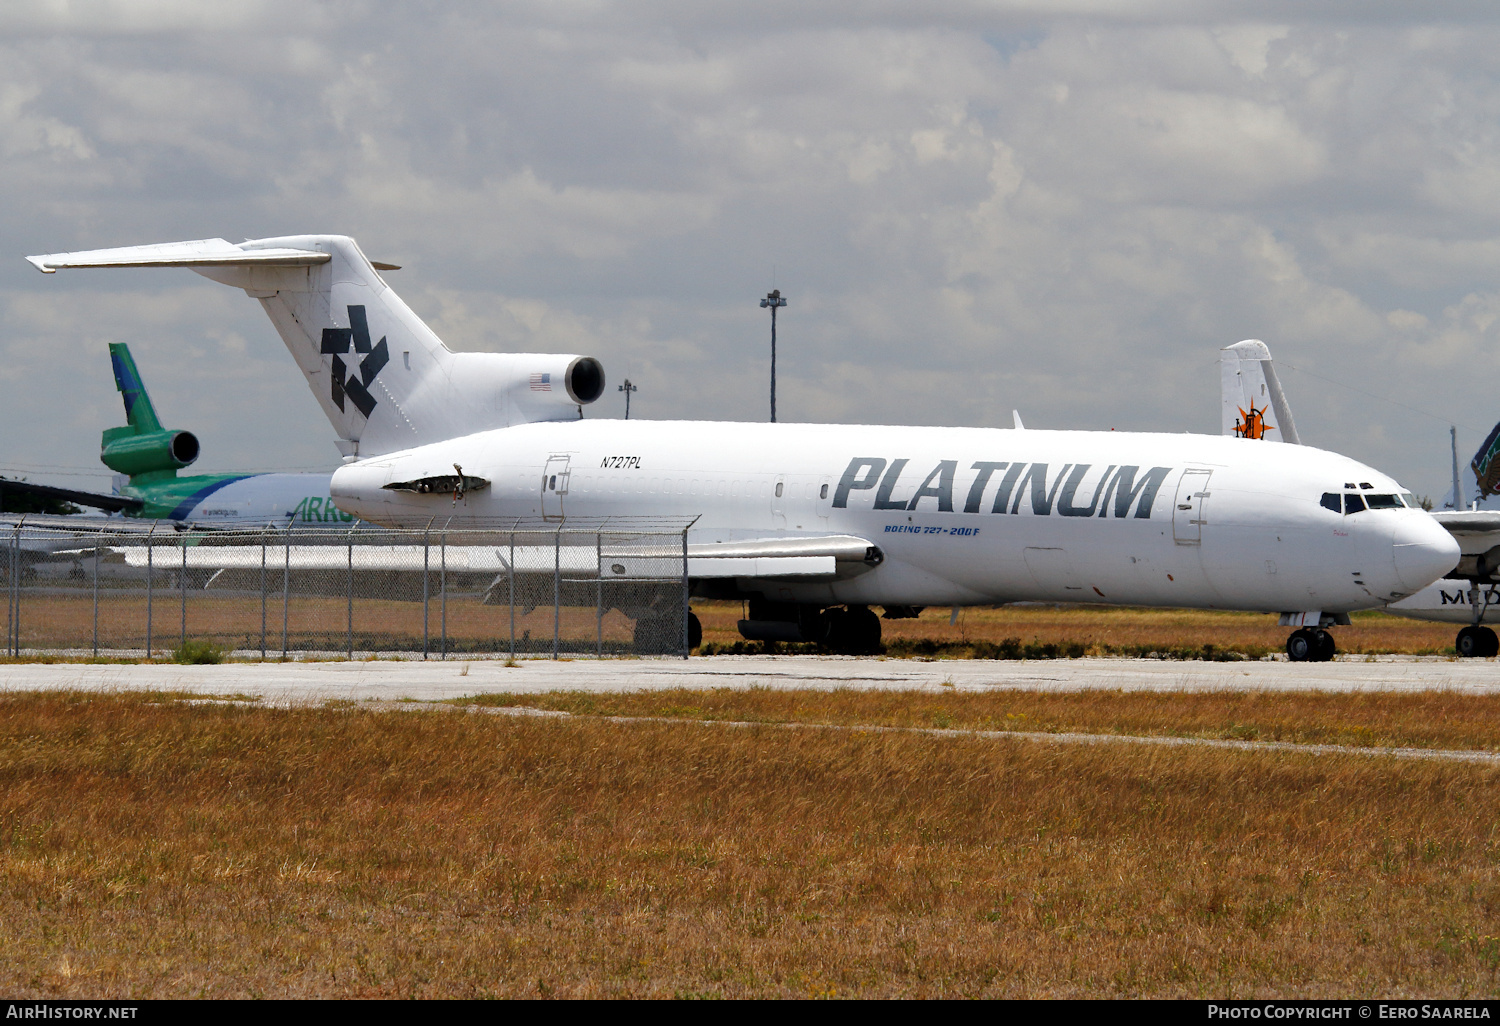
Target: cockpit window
(1353,502)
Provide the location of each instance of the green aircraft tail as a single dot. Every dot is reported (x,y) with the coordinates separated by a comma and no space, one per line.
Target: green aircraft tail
(139,413)
(142,448)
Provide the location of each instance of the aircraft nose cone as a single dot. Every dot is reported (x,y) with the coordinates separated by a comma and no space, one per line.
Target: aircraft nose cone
(1423,550)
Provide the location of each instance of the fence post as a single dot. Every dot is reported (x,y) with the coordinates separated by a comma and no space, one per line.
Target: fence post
(263,531)
(443,582)
(426,557)
(685,611)
(286,582)
(349,594)
(96,598)
(510,575)
(556,589)
(13,605)
(182,588)
(512,591)
(150,586)
(599,602)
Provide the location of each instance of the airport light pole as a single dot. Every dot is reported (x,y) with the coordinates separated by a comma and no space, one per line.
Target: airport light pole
(773,300)
(627,388)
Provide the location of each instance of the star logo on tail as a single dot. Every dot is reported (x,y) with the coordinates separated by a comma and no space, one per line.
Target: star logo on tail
(346,385)
(1251,425)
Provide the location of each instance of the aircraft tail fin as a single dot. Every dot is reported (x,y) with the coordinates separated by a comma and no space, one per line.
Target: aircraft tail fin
(139,413)
(1251,400)
(381,376)
(1486,466)
(142,449)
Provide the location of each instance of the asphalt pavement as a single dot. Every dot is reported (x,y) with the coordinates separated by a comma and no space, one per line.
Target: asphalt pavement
(303,682)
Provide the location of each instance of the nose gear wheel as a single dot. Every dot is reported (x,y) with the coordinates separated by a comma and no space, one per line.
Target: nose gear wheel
(1310,645)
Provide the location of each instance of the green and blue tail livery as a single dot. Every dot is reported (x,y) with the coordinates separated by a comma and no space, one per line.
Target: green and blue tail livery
(151,456)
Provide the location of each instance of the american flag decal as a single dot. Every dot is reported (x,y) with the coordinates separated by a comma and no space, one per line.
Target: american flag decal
(541,382)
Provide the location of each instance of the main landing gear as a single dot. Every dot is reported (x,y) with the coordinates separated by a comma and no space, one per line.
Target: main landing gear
(1475,642)
(663,635)
(1310,645)
(853,630)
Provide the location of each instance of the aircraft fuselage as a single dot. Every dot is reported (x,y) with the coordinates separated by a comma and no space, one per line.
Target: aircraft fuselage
(962,515)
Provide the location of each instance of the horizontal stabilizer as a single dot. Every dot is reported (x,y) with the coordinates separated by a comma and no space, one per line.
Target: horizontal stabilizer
(202,253)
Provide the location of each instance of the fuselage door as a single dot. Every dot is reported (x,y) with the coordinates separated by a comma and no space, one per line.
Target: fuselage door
(1187,511)
(554,486)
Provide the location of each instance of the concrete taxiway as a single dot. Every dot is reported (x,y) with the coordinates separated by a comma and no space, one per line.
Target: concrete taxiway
(298,682)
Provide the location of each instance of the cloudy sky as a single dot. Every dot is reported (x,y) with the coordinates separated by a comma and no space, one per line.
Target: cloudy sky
(973,207)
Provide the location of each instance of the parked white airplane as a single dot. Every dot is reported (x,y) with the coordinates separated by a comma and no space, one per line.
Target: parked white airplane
(813,524)
(1469,593)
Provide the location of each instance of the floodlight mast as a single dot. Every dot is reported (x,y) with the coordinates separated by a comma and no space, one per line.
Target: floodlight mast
(627,388)
(773,300)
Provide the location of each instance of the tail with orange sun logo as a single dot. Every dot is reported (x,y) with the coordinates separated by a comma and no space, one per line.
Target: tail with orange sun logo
(1252,403)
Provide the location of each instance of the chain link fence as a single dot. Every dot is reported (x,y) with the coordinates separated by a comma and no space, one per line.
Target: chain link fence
(529,589)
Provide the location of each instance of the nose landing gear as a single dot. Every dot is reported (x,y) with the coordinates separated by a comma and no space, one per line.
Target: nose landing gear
(1310,645)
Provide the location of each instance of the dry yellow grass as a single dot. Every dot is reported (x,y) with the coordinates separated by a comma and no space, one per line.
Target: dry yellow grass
(1424,719)
(318,623)
(64,621)
(153,849)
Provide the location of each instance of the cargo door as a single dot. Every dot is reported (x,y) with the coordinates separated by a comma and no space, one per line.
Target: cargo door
(1187,511)
(1052,570)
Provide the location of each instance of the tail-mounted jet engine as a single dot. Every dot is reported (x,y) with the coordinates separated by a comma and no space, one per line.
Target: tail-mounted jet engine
(584,380)
(127,452)
(537,380)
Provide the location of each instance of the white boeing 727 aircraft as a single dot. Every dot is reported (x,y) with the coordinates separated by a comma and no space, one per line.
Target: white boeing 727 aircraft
(813,524)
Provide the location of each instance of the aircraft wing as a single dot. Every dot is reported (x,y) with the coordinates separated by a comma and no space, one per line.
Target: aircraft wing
(837,555)
(828,556)
(1478,535)
(112,503)
(1463,521)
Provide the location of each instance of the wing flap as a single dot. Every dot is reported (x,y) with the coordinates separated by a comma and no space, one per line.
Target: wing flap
(766,566)
(845,548)
(776,557)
